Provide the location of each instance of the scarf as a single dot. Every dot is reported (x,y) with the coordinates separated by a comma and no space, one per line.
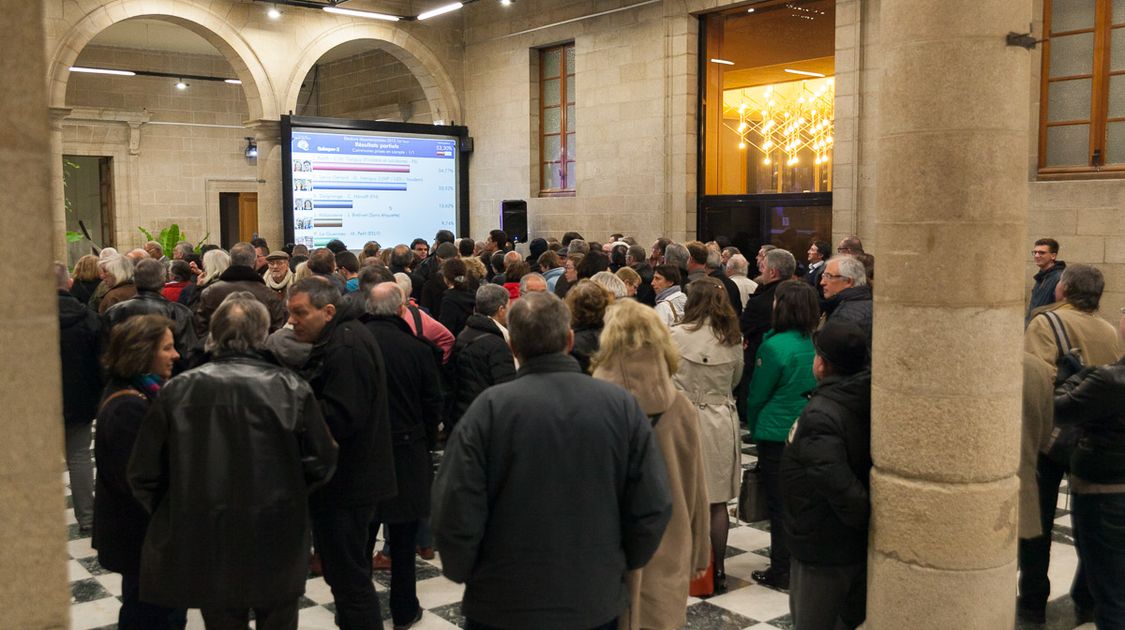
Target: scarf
(278,286)
(148,384)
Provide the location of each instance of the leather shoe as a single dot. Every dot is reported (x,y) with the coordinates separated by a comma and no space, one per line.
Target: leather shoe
(416,619)
(381,562)
(426,553)
(773,578)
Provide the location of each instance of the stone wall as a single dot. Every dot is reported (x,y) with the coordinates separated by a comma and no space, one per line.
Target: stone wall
(183,138)
(369,86)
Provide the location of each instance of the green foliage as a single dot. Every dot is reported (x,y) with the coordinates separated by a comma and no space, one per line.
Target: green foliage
(201,243)
(168,237)
(73,237)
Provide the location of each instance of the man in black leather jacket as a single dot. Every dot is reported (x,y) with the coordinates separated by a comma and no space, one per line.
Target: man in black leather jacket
(1094,400)
(481,355)
(224,461)
(149,280)
(824,482)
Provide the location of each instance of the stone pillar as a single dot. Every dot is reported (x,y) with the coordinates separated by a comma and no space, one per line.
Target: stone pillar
(267,133)
(32,529)
(951,222)
(58,191)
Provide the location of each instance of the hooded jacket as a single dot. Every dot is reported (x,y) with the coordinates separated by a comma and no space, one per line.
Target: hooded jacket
(824,474)
(659,591)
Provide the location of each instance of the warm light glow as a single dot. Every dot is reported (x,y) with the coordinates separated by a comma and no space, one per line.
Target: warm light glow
(232,81)
(725,62)
(124,73)
(363,14)
(741,145)
(506,3)
(805,73)
(180,85)
(273,13)
(449,8)
(767,162)
(783,121)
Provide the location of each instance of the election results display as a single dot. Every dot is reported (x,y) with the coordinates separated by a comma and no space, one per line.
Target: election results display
(358,183)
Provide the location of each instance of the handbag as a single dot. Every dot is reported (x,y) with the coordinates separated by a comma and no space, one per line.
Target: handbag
(752,497)
(704,586)
(1063,440)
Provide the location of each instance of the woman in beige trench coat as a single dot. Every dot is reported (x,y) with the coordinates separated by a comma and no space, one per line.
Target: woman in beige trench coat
(710,346)
(637,354)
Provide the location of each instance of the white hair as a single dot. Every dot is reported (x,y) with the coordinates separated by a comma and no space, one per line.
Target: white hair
(403,281)
(108,252)
(738,265)
(610,282)
(120,267)
(851,267)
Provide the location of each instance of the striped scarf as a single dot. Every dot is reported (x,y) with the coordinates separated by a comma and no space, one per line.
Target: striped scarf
(148,384)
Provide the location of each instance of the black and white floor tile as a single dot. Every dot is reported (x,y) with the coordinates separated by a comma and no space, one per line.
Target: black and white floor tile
(746,605)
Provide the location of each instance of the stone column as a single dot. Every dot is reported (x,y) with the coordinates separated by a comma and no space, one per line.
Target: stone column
(58,192)
(32,529)
(267,133)
(951,223)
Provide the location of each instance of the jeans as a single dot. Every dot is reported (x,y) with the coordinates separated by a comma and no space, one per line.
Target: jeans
(827,597)
(138,615)
(280,617)
(81,472)
(1099,530)
(340,536)
(769,460)
(404,593)
(1035,553)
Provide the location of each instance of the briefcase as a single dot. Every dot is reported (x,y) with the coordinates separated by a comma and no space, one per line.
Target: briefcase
(752,497)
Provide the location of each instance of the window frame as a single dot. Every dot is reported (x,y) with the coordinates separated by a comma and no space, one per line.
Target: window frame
(1099,76)
(568,188)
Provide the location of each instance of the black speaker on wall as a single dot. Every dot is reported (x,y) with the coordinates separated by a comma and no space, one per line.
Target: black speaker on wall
(513,219)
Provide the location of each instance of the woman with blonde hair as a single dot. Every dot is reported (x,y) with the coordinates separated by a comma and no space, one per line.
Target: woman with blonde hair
(710,344)
(587,302)
(632,280)
(86,278)
(637,354)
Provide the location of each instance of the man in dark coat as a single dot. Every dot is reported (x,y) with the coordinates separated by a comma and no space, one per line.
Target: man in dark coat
(1045,253)
(481,355)
(433,288)
(578,478)
(79,332)
(636,259)
(224,461)
(818,255)
(824,484)
(347,374)
(757,318)
(703,262)
(240,276)
(431,265)
(149,280)
(847,298)
(415,409)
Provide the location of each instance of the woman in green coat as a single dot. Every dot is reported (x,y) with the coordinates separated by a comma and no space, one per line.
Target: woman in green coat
(782,376)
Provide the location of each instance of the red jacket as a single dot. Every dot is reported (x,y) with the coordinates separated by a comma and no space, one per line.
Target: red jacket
(172,290)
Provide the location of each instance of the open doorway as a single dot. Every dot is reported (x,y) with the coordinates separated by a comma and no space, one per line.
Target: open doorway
(238,217)
(88,189)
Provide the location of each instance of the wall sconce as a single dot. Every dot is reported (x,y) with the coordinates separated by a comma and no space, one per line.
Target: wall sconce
(251,150)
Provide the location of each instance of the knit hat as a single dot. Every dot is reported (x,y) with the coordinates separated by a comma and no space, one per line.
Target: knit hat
(843,345)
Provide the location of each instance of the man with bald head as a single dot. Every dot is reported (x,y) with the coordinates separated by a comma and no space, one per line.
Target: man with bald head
(414,400)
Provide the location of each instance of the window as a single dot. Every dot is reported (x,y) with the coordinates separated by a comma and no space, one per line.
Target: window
(557,150)
(1082,106)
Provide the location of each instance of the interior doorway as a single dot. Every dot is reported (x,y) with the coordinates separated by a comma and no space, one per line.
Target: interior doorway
(88,190)
(238,217)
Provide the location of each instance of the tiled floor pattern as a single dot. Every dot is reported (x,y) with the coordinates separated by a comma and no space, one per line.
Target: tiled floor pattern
(746,605)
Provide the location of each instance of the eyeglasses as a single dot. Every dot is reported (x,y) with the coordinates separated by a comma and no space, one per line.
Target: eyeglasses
(843,250)
(1036,252)
(832,276)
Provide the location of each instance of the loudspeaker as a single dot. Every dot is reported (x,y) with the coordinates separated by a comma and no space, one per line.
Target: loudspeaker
(513,219)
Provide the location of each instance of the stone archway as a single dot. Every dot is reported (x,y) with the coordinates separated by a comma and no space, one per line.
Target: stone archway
(256,86)
(421,62)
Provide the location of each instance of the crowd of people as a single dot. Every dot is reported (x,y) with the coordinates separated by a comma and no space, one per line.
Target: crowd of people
(260,412)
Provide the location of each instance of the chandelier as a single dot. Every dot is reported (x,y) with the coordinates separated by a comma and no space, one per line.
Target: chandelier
(784,119)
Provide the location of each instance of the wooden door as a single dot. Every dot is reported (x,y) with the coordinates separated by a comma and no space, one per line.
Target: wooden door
(247,216)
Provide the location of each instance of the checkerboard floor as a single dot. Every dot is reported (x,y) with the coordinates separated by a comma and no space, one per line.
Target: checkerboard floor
(746,605)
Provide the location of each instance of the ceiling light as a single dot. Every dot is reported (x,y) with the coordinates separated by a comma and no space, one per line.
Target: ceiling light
(363,14)
(750,10)
(274,13)
(124,73)
(425,15)
(805,73)
(232,81)
(725,62)
(251,148)
(506,3)
(180,85)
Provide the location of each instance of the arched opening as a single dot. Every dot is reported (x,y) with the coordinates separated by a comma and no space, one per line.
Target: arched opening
(163,140)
